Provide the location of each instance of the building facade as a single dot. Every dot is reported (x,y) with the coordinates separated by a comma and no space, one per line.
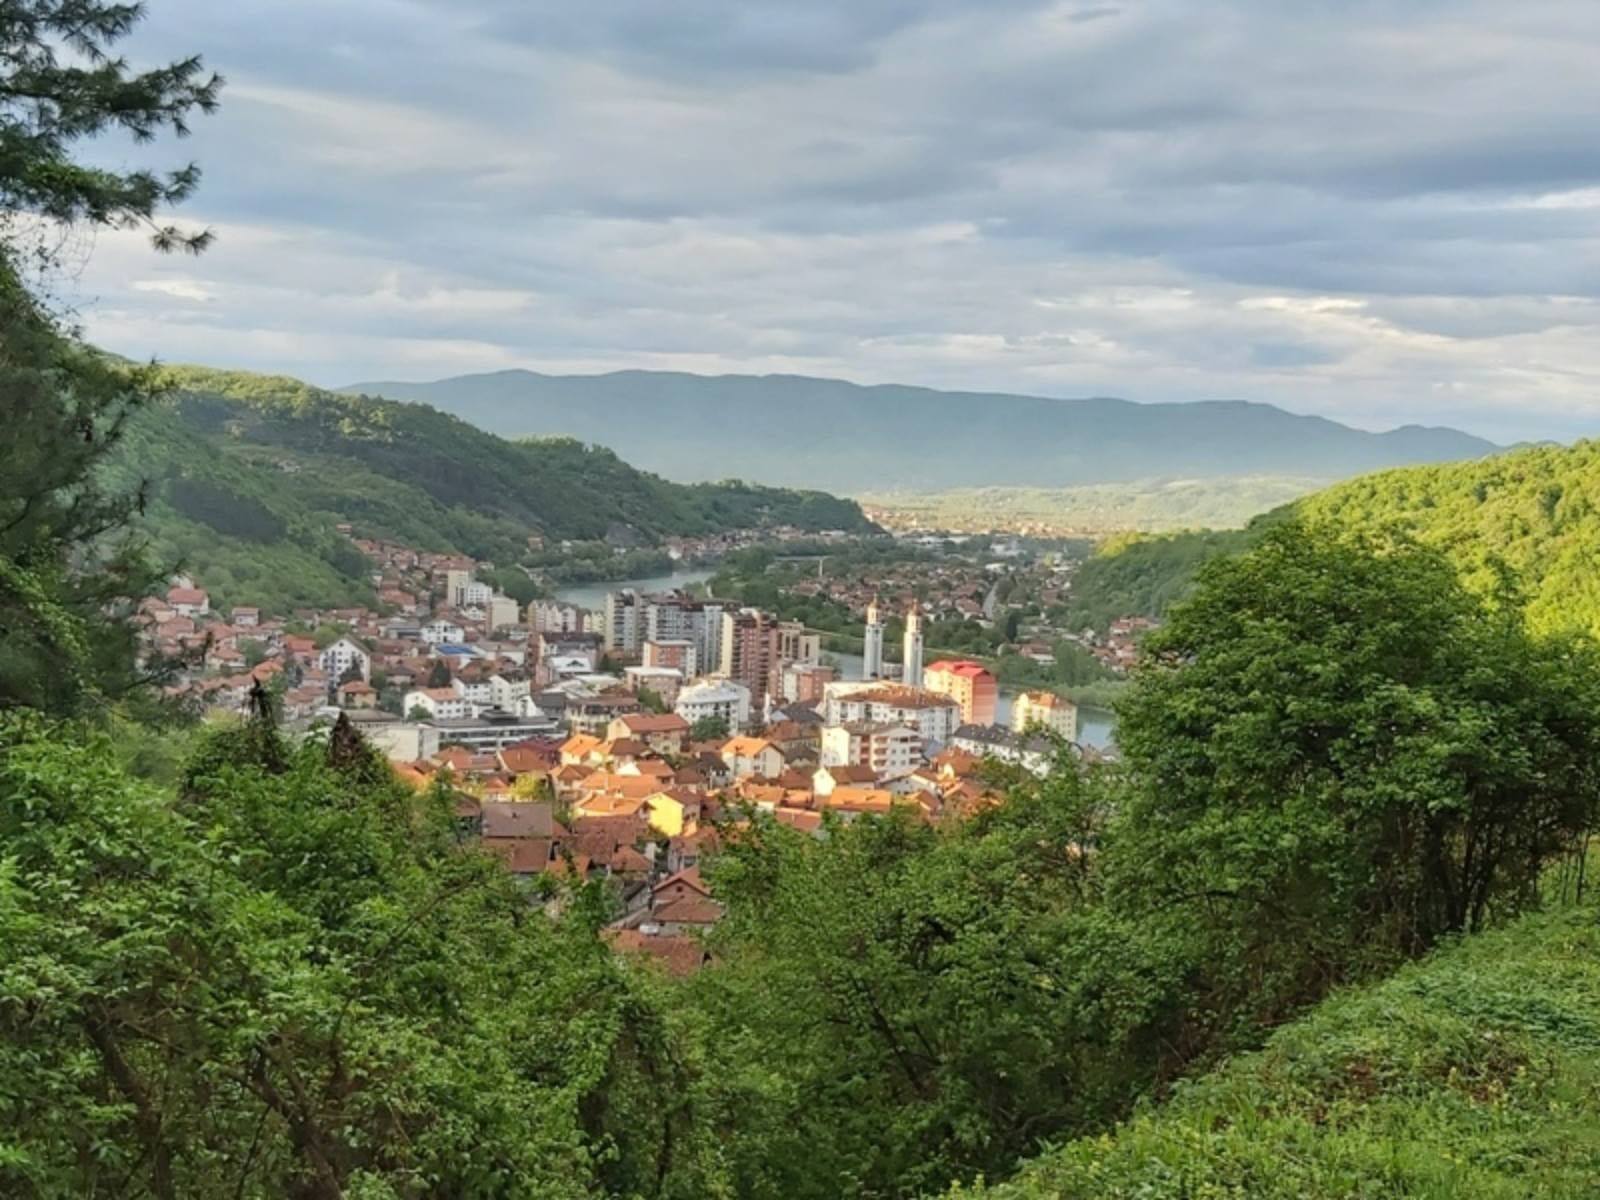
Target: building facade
(969,684)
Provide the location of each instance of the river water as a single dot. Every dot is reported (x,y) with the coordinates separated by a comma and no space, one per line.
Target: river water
(593,595)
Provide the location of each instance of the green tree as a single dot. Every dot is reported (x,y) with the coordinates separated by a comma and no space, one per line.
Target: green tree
(69,571)
(1345,755)
(709,729)
(295,982)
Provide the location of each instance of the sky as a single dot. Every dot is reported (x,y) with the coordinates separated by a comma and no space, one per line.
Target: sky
(1384,213)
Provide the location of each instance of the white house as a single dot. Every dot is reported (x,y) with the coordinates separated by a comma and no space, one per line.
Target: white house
(441,704)
(752,756)
(341,655)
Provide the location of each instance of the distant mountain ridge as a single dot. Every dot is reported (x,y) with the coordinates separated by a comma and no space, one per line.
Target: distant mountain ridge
(797,430)
(250,475)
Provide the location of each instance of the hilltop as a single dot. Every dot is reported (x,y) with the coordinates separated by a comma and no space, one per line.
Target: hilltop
(859,438)
(1536,510)
(250,474)
(1470,1074)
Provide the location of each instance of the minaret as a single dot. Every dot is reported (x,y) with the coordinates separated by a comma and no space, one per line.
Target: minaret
(911,656)
(872,651)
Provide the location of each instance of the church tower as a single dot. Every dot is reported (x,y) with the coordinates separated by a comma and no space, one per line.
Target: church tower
(872,651)
(911,656)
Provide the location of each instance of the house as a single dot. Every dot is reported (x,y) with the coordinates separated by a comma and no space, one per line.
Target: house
(825,779)
(746,756)
(441,704)
(521,855)
(188,601)
(886,747)
(677,954)
(664,733)
(357,694)
(244,618)
(342,655)
(518,819)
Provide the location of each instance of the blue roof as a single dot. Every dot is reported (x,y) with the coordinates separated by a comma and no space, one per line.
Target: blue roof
(453,648)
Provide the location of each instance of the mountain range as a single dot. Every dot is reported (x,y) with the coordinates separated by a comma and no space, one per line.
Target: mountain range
(249,476)
(800,431)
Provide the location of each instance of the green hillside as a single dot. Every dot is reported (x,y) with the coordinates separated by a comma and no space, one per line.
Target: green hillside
(1537,511)
(249,475)
(1473,1074)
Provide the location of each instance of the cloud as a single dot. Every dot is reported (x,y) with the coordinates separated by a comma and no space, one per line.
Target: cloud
(1383,213)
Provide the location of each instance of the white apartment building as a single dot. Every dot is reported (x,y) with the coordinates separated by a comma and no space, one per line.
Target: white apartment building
(550,616)
(1045,710)
(501,611)
(436,632)
(934,717)
(622,627)
(720,698)
(888,750)
(338,658)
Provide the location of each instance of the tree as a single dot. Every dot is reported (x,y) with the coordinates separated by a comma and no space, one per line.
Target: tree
(295,982)
(61,84)
(709,729)
(1345,755)
(439,674)
(70,571)
(897,1006)
(651,701)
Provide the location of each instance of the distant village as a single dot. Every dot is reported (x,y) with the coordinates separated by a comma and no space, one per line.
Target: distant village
(615,743)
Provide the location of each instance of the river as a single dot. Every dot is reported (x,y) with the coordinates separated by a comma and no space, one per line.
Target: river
(593,595)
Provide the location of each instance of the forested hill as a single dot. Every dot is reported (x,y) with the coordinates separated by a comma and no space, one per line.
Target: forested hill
(1536,510)
(250,473)
(876,438)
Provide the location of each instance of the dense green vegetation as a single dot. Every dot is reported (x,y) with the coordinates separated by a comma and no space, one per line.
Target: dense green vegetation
(289,979)
(1335,757)
(1536,511)
(236,967)
(1139,576)
(250,474)
(1472,1075)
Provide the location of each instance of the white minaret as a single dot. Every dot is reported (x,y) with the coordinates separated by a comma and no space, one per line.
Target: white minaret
(872,651)
(911,656)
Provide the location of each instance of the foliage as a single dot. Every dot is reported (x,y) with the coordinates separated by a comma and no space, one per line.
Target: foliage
(1470,1075)
(71,570)
(1142,576)
(1536,511)
(709,729)
(897,1006)
(61,83)
(1342,755)
(294,982)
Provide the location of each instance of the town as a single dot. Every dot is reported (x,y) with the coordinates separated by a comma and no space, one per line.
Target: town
(614,743)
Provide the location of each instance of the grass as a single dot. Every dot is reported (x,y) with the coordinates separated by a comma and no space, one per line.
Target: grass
(1475,1073)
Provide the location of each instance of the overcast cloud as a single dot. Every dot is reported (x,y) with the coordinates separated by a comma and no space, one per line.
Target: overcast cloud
(1381,212)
